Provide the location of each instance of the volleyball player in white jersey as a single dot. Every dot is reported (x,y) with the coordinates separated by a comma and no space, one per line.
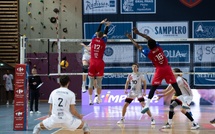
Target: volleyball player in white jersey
(8,83)
(135,79)
(62,111)
(85,63)
(186,91)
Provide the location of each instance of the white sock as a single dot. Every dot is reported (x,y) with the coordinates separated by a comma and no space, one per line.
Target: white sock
(35,131)
(170,121)
(83,83)
(99,96)
(148,102)
(95,91)
(90,98)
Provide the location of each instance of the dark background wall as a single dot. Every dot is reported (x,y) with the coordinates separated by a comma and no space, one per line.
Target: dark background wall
(72,18)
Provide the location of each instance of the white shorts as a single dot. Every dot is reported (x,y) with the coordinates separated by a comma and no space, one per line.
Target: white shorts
(72,125)
(188,99)
(86,57)
(9,87)
(134,94)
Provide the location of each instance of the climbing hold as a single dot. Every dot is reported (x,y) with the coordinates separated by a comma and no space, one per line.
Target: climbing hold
(41,1)
(44,27)
(29,45)
(65,30)
(53,20)
(29,13)
(29,3)
(32,28)
(39,12)
(56,10)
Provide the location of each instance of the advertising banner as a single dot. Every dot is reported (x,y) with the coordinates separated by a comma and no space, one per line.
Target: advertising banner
(175,53)
(116,30)
(119,54)
(204,52)
(20,99)
(163,30)
(149,73)
(100,6)
(116,79)
(206,76)
(138,6)
(203,29)
(113,97)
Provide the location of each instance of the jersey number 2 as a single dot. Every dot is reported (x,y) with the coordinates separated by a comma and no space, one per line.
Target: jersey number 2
(60,102)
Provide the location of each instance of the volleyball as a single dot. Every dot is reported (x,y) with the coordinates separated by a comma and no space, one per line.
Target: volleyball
(64,64)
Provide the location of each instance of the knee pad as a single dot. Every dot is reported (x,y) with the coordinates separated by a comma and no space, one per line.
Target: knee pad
(86,128)
(173,105)
(128,100)
(91,82)
(99,82)
(141,99)
(85,68)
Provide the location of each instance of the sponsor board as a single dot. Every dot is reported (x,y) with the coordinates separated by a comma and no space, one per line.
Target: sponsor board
(163,30)
(117,97)
(138,6)
(206,76)
(20,98)
(180,53)
(204,52)
(116,30)
(204,29)
(119,54)
(100,6)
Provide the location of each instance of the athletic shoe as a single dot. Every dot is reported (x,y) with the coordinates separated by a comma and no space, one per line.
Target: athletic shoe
(121,121)
(212,121)
(38,112)
(96,95)
(7,103)
(13,102)
(152,122)
(84,90)
(195,126)
(91,103)
(31,112)
(145,109)
(167,126)
(98,101)
(190,113)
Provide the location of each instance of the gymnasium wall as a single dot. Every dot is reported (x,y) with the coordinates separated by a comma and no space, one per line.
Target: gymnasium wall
(35,23)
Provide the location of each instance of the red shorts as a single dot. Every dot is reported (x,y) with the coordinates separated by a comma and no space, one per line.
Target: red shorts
(96,68)
(163,73)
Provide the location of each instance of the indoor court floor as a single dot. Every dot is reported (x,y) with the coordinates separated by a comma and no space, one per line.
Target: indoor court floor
(103,120)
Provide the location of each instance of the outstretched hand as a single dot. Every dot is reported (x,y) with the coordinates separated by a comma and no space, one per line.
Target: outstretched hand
(103,21)
(135,30)
(107,23)
(128,35)
(82,44)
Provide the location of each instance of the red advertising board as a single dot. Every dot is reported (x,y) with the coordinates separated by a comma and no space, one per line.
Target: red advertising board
(20,98)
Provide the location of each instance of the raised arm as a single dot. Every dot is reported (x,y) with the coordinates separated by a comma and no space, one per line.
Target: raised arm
(136,31)
(85,46)
(107,24)
(100,25)
(134,42)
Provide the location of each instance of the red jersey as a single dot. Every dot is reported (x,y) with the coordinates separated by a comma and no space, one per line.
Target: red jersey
(156,55)
(97,48)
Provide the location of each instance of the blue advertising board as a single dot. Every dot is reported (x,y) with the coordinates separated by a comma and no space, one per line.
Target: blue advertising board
(116,30)
(138,6)
(204,53)
(175,53)
(205,76)
(203,29)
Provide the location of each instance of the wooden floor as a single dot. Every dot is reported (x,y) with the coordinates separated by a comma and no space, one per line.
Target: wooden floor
(103,120)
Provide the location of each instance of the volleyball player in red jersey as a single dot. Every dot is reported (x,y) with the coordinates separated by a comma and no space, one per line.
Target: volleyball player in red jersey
(96,68)
(163,70)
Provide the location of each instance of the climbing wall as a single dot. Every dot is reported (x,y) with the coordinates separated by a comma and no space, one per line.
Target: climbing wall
(51,19)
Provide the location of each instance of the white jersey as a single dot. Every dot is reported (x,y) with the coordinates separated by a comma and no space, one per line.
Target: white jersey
(135,80)
(8,81)
(61,99)
(86,55)
(184,86)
